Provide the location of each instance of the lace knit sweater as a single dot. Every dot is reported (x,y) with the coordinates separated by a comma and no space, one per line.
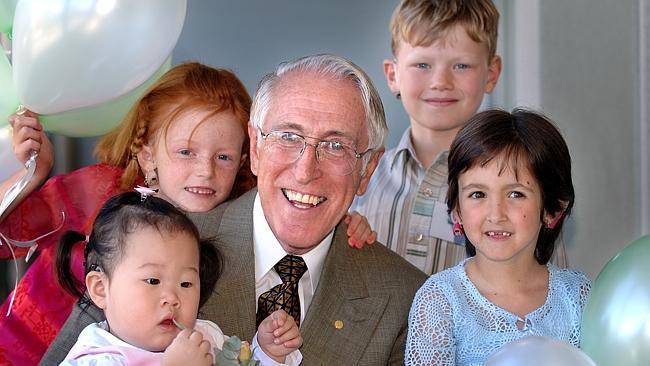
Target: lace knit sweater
(451,323)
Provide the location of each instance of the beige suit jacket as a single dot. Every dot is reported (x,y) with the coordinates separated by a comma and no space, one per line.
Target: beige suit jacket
(359,312)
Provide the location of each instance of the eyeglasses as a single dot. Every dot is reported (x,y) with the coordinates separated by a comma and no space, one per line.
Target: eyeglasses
(334,157)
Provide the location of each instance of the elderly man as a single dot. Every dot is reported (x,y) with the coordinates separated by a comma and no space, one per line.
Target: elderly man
(317,130)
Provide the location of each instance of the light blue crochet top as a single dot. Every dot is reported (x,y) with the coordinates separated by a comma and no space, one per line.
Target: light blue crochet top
(451,323)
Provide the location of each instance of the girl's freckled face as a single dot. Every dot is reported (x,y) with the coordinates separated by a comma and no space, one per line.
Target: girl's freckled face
(199,160)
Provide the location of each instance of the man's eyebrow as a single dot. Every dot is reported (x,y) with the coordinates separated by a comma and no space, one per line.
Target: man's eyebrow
(287,125)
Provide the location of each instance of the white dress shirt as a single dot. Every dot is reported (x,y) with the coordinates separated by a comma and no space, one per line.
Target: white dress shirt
(268,252)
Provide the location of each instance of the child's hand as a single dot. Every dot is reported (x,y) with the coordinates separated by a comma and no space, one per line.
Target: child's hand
(188,348)
(28,136)
(359,231)
(278,335)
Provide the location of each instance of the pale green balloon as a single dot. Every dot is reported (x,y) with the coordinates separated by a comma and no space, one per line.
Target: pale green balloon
(100,119)
(7,10)
(616,319)
(8,98)
(73,54)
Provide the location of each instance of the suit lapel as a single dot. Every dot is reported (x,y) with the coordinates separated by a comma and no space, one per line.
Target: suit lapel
(343,316)
(232,305)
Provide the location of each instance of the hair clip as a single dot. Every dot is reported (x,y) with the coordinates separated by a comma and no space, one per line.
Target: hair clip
(95,267)
(145,192)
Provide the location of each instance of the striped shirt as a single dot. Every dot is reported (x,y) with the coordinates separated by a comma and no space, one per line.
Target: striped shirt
(405,205)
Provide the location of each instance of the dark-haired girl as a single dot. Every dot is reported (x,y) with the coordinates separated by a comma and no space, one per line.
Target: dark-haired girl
(510,190)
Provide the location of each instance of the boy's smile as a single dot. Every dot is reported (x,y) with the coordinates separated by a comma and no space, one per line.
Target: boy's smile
(442,84)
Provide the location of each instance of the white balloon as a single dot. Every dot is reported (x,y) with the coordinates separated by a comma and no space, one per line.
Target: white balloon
(539,351)
(9,165)
(69,54)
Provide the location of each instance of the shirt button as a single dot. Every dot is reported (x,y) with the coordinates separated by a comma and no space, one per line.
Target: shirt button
(419,237)
(428,192)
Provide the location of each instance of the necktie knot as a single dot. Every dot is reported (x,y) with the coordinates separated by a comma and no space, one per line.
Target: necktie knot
(290,268)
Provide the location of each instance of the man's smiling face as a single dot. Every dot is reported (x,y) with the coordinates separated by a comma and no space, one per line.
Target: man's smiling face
(301,201)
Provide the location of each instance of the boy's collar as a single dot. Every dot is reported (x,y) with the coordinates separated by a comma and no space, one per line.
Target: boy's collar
(405,150)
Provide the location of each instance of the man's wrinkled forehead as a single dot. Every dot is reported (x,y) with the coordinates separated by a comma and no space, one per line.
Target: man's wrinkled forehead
(321,88)
(299,81)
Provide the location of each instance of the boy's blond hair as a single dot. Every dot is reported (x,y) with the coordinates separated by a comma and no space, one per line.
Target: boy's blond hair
(421,22)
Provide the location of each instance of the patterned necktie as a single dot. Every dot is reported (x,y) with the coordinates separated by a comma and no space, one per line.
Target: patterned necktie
(285,295)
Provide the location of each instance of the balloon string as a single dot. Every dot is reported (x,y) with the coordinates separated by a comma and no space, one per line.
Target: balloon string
(18,187)
(7,199)
(32,245)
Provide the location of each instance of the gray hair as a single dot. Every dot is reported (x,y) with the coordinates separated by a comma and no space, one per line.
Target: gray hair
(332,65)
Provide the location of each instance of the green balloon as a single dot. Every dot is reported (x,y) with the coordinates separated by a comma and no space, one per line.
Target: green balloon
(616,319)
(8,98)
(100,119)
(7,10)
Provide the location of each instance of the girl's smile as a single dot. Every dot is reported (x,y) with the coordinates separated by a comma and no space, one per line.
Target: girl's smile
(500,208)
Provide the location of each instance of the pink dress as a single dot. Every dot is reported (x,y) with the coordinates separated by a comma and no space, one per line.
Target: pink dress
(96,346)
(41,306)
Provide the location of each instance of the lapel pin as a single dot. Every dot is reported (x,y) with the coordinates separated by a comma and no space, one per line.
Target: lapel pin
(338,324)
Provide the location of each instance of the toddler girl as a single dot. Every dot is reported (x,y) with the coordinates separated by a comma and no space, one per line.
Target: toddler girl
(147,269)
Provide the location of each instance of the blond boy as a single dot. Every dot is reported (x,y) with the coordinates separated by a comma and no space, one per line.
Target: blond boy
(444,62)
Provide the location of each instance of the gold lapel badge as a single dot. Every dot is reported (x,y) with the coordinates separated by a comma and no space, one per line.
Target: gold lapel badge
(338,324)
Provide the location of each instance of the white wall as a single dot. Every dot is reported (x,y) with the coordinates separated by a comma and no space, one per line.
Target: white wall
(584,74)
(644,93)
(252,36)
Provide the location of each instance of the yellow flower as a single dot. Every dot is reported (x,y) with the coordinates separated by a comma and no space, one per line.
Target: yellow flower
(245,351)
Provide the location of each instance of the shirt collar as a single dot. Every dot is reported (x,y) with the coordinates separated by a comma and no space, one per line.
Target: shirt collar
(268,250)
(404,151)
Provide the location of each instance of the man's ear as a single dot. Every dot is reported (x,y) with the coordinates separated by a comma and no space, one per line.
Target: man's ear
(370,168)
(551,220)
(145,159)
(390,70)
(252,135)
(97,286)
(494,70)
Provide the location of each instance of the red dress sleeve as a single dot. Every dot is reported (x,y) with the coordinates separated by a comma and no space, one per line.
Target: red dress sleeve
(41,306)
(79,194)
